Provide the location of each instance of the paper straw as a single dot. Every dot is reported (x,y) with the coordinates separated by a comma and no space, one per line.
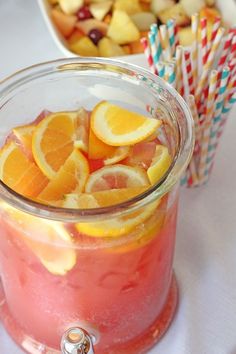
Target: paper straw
(176,33)
(189,71)
(233,48)
(165,41)
(179,72)
(217,119)
(204,52)
(170,68)
(225,51)
(151,37)
(207,126)
(225,113)
(215,27)
(148,55)
(193,108)
(161,69)
(195,21)
(154,30)
(171,34)
(209,64)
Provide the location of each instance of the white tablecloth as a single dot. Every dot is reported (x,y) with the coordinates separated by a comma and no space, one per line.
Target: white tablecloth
(205,258)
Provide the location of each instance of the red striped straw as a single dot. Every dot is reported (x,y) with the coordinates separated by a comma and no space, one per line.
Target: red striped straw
(232,54)
(189,71)
(176,33)
(148,54)
(225,52)
(215,27)
(204,50)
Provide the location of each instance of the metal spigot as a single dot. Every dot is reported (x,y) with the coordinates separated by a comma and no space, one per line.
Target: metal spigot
(76,341)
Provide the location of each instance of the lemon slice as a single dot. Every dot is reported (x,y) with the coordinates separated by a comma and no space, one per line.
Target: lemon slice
(116,176)
(117,126)
(160,164)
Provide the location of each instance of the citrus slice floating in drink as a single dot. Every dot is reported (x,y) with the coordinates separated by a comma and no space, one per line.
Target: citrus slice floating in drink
(82,130)
(117,126)
(19,173)
(110,154)
(160,164)
(48,240)
(53,141)
(116,177)
(72,175)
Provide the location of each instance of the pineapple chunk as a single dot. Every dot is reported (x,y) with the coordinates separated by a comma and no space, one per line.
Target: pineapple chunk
(100,10)
(84,47)
(70,6)
(158,6)
(129,6)
(108,48)
(121,29)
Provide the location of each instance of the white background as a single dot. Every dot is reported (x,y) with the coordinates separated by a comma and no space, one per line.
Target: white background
(205,259)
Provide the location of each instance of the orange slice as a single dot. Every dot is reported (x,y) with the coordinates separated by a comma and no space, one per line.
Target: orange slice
(117,226)
(110,154)
(101,198)
(116,176)
(82,130)
(160,164)
(19,173)
(24,135)
(117,126)
(141,154)
(51,243)
(53,141)
(72,175)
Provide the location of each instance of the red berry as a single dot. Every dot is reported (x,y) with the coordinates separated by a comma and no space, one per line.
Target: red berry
(84,13)
(95,35)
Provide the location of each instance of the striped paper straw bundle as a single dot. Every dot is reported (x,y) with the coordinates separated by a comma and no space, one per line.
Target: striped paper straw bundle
(205,75)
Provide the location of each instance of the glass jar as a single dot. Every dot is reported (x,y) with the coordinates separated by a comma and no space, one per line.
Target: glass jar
(120,286)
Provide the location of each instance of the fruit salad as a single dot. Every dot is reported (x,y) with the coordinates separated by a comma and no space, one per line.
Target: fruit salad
(111,275)
(110,28)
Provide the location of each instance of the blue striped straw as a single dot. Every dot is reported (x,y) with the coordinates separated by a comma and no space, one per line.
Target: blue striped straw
(217,119)
(154,30)
(161,69)
(171,76)
(171,33)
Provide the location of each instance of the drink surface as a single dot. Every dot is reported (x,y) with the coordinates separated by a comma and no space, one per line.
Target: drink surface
(110,275)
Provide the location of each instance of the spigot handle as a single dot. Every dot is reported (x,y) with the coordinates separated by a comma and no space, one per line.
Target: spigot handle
(76,341)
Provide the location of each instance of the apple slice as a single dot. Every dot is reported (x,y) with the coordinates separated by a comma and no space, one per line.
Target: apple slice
(131,7)
(84,47)
(122,30)
(64,23)
(143,20)
(100,10)
(70,7)
(108,48)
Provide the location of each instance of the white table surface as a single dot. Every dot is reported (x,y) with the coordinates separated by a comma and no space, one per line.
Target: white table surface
(205,258)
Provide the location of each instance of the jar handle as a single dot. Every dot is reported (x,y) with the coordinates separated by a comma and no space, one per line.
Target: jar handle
(76,341)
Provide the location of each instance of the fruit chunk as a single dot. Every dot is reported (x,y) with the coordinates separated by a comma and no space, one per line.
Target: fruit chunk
(70,6)
(115,177)
(101,198)
(72,175)
(95,35)
(64,23)
(121,29)
(108,48)
(160,164)
(19,173)
(143,20)
(53,141)
(82,130)
(176,12)
(87,25)
(110,154)
(23,136)
(84,47)
(192,7)
(129,6)
(141,154)
(117,126)
(157,6)
(100,10)
(51,243)
(120,225)
(185,36)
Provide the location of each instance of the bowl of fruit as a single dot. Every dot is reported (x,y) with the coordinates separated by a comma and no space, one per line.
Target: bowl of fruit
(113,28)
